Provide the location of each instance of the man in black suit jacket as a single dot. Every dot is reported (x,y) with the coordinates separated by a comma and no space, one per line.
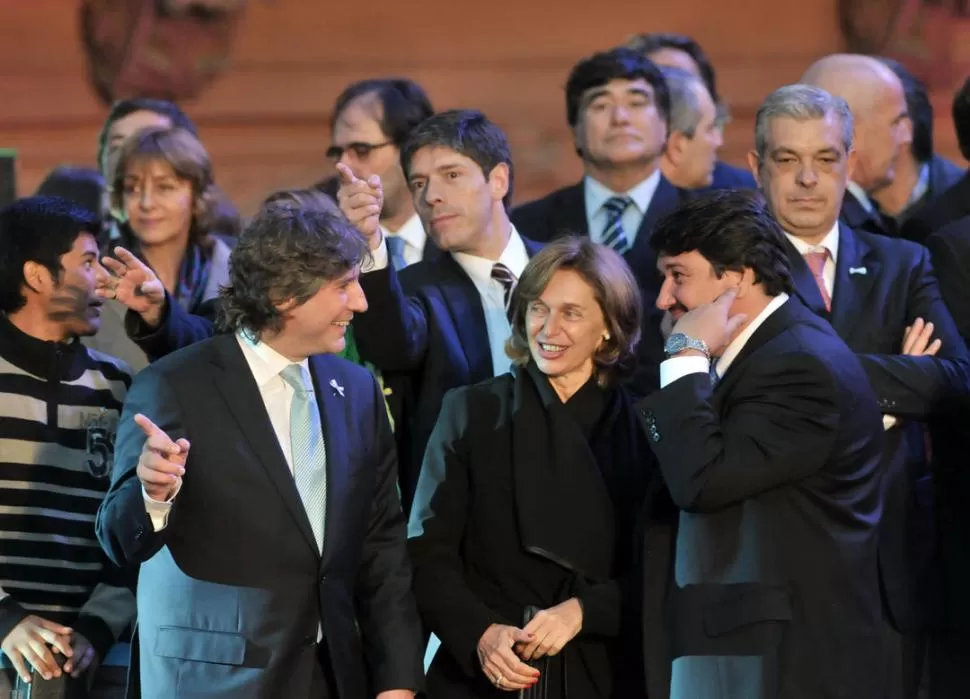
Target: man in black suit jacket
(618,105)
(880,296)
(441,325)
(769,438)
(255,483)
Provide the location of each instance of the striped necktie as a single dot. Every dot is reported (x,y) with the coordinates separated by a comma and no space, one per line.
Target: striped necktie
(308,450)
(613,235)
(503,275)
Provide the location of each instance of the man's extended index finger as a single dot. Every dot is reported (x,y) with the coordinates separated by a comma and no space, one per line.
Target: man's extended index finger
(347,175)
(148,427)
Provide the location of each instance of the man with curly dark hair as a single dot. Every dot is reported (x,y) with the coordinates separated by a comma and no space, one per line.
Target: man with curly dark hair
(256,484)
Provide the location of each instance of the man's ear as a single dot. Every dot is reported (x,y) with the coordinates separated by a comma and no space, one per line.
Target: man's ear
(37,277)
(745,282)
(498,181)
(754,164)
(676,148)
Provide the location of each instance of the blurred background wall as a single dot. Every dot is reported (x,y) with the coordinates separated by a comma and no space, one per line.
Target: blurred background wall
(265,121)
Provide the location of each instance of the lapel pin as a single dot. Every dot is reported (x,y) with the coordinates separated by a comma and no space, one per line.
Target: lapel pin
(337,388)
(858,270)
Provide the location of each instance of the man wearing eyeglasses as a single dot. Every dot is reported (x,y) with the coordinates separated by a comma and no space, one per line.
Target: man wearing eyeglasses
(371,120)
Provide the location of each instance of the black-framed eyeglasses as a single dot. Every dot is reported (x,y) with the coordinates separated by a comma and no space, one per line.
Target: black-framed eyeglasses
(361,150)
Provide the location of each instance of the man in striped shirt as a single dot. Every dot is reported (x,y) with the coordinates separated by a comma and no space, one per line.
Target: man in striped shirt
(59,408)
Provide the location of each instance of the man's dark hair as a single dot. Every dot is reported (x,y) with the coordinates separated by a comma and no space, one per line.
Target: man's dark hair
(655,41)
(615,64)
(961,118)
(37,229)
(285,253)
(122,108)
(404,105)
(731,229)
(919,107)
(82,185)
(468,132)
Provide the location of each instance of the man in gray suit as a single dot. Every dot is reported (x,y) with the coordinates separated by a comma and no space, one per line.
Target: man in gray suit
(255,481)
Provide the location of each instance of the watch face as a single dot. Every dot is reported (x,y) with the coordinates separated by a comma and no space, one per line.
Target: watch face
(676,343)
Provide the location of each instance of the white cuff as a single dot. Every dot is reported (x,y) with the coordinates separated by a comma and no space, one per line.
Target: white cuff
(378,258)
(158,510)
(678,367)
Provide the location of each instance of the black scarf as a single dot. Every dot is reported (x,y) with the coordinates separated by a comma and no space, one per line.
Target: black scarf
(570,489)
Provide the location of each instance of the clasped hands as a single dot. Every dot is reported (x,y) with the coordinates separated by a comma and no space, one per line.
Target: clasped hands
(503,650)
(33,641)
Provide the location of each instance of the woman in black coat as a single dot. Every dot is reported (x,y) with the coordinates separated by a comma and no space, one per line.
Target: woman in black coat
(526,526)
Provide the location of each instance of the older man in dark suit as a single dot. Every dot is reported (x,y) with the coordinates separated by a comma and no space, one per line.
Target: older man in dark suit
(880,296)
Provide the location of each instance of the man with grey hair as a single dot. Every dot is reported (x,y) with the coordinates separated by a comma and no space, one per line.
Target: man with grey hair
(694,136)
(880,296)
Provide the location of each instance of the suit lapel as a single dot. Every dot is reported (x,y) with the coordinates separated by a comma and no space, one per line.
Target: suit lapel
(569,212)
(331,394)
(805,286)
(641,257)
(235,382)
(462,297)
(774,324)
(856,270)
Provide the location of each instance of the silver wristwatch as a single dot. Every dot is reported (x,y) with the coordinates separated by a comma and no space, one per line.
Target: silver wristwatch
(678,342)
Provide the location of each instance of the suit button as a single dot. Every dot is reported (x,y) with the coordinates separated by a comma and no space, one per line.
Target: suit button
(655,436)
(310,640)
(139,533)
(323,579)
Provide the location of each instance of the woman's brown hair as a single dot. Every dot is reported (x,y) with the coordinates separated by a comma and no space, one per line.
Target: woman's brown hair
(187,157)
(614,288)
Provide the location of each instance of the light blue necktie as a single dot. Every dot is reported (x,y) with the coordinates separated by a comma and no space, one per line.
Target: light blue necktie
(715,379)
(395,250)
(308,450)
(613,235)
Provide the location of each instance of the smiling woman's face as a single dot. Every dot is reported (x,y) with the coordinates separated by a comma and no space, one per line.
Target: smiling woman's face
(565,326)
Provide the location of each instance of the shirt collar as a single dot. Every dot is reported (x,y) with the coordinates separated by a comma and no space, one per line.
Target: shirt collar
(265,362)
(412,232)
(597,194)
(861,197)
(515,257)
(731,352)
(830,242)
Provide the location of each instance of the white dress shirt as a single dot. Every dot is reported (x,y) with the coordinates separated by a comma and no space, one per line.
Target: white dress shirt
(597,194)
(266,364)
(414,237)
(678,367)
(492,293)
(831,243)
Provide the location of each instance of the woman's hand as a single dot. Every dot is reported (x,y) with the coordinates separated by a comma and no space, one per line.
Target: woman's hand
(551,629)
(500,664)
(134,284)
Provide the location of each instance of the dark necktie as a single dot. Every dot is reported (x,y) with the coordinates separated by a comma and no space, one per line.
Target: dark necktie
(503,275)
